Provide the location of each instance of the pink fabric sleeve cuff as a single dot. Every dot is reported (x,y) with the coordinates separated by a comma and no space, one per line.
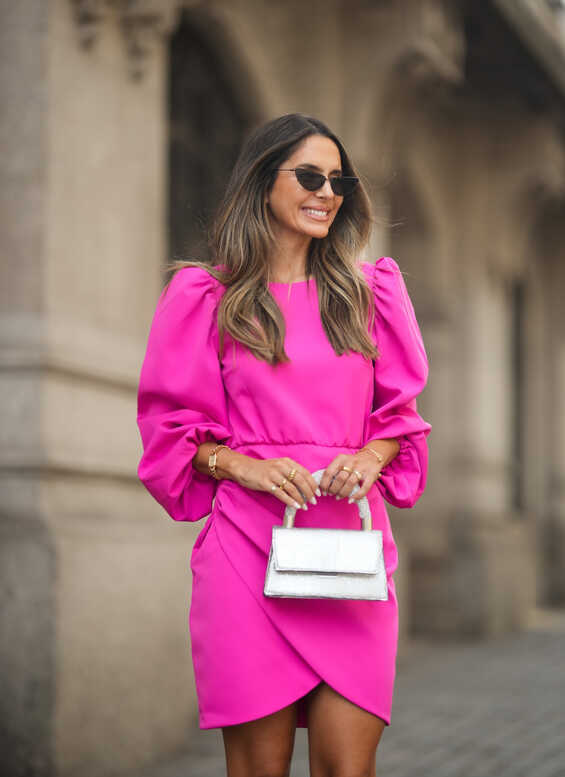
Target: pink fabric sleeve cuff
(401,374)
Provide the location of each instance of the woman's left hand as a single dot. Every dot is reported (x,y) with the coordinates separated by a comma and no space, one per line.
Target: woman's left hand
(363,467)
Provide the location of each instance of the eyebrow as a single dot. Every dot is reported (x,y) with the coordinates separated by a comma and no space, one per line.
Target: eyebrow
(316,168)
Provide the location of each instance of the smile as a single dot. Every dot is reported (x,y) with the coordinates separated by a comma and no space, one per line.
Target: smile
(318,214)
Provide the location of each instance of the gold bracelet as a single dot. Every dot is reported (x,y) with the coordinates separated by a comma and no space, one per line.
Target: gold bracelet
(379,456)
(212,460)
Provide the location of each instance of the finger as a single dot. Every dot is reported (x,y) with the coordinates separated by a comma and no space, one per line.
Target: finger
(365,486)
(285,468)
(282,495)
(342,483)
(351,480)
(306,485)
(280,476)
(330,473)
(297,494)
(369,472)
(288,499)
(304,481)
(330,490)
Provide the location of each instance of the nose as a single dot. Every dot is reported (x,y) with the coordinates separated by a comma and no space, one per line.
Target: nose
(326,190)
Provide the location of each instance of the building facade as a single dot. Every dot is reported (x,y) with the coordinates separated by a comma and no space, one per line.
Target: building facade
(120,123)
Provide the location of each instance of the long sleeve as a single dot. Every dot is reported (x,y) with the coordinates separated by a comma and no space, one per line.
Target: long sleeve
(181,400)
(401,373)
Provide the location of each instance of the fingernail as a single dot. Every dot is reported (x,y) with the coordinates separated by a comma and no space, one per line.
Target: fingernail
(304,507)
(338,498)
(318,492)
(297,505)
(314,501)
(350,500)
(325,493)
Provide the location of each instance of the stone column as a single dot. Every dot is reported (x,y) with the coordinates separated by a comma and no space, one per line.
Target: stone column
(492,567)
(96,672)
(28,567)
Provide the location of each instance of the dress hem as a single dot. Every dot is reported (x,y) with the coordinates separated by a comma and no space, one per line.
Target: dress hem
(207,725)
(203,726)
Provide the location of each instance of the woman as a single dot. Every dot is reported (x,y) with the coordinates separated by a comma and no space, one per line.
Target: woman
(287,356)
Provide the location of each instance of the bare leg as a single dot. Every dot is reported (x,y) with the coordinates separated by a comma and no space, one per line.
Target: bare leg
(262,747)
(342,737)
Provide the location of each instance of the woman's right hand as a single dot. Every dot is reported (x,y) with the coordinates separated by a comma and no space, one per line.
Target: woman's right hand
(263,474)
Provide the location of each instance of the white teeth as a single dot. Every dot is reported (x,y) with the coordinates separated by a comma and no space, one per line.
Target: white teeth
(316,212)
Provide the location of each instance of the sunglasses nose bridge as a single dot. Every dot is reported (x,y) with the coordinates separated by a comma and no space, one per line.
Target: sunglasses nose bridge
(325,189)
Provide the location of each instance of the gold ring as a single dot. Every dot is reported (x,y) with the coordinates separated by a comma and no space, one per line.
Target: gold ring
(292,474)
(274,487)
(379,475)
(359,474)
(347,469)
(281,485)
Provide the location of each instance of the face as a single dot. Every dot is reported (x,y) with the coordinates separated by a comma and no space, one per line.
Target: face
(296,210)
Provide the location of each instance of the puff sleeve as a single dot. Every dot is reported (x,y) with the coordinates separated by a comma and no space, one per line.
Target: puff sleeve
(401,373)
(181,400)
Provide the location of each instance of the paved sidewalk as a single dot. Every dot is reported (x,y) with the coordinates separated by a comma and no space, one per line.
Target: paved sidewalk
(489,709)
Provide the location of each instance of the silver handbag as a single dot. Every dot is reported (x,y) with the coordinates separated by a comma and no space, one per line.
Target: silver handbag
(315,563)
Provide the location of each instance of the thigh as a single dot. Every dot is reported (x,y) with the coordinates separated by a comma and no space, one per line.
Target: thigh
(262,747)
(342,737)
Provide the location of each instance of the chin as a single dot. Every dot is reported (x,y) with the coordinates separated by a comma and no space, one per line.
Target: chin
(317,231)
(320,233)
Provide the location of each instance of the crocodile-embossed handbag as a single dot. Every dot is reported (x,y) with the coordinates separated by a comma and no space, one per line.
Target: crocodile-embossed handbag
(314,563)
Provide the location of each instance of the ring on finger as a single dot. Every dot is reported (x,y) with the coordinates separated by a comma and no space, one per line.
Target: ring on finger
(281,485)
(347,469)
(359,474)
(292,474)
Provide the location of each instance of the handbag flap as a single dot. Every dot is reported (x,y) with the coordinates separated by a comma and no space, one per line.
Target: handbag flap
(327,550)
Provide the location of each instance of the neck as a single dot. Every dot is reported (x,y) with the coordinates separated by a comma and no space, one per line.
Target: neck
(287,263)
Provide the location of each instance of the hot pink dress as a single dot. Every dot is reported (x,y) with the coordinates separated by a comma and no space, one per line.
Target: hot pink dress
(253,654)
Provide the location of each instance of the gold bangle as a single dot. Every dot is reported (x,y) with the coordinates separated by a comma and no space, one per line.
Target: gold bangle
(379,456)
(212,460)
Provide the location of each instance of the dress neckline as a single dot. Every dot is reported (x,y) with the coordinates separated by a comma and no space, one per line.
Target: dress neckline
(291,283)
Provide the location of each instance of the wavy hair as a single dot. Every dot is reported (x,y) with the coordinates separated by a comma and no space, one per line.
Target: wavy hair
(242,239)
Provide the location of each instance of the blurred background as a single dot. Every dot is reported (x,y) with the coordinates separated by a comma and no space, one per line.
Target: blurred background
(120,123)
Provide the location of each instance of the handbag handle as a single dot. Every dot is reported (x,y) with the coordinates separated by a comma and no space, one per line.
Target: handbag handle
(362,505)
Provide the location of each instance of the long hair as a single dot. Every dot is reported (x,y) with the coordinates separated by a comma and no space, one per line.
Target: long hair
(242,239)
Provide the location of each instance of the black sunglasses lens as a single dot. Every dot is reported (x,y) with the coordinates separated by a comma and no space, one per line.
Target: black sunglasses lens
(343,185)
(310,180)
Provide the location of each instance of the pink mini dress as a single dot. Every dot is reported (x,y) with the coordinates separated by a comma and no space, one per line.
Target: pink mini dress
(253,654)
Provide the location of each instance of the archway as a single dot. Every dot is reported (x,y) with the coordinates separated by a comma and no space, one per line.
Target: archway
(212,104)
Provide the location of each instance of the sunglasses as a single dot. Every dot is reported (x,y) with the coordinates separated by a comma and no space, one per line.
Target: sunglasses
(342,185)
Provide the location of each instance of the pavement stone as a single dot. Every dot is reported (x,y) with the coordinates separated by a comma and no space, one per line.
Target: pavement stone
(493,708)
